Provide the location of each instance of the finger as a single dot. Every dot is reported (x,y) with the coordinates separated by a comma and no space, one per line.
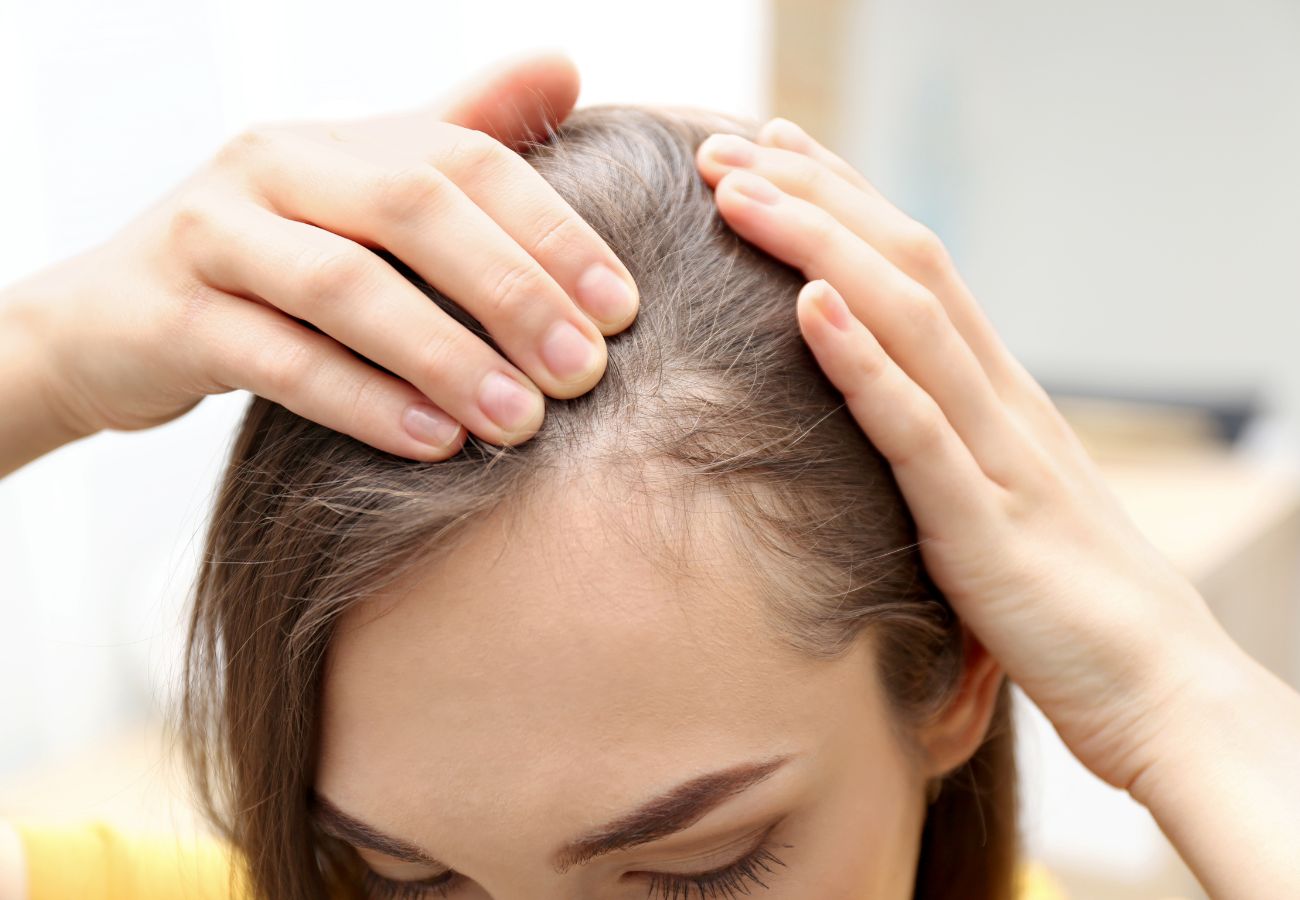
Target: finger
(797,162)
(783,133)
(424,219)
(906,243)
(363,303)
(530,211)
(942,483)
(256,348)
(908,320)
(519,99)
(513,194)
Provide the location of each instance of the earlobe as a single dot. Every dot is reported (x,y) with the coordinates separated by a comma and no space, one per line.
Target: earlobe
(953,737)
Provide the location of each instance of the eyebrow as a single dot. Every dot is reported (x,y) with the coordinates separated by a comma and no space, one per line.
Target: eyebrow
(666,814)
(334,821)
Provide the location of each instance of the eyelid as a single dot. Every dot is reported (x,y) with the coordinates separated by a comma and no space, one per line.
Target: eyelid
(401,870)
(437,884)
(750,841)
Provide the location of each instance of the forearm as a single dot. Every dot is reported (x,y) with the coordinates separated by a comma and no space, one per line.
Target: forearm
(31,423)
(1225,786)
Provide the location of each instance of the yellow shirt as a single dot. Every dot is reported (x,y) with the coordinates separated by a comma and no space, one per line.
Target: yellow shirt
(96,860)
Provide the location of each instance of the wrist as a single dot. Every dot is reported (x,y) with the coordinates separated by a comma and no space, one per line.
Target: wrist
(1215,695)
(1223,784)
(1146,684)
(37,418)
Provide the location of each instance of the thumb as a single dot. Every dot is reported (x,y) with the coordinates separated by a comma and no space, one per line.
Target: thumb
(518,99)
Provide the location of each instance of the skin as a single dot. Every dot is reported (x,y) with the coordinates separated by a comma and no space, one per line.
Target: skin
(549,676)
(1018,528)
(202,293)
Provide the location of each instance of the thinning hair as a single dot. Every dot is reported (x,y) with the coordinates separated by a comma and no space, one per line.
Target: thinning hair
(712,389)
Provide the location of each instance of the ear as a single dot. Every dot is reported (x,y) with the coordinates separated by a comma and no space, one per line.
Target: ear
(953,737)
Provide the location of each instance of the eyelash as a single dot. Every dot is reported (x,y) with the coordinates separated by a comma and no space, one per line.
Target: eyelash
(380,888)
(729,881)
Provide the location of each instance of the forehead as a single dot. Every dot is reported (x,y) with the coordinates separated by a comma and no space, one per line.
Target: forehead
(552,658)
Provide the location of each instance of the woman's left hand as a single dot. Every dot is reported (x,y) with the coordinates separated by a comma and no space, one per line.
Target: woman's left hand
(1015,523)
(1017,527)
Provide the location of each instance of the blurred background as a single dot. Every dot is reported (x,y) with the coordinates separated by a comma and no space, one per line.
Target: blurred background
(1117,182)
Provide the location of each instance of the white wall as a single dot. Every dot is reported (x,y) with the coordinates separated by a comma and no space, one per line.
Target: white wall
(1118,180)
(105,106)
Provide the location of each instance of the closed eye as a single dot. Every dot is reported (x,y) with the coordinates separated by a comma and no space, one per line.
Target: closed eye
(377,887)
(753,870)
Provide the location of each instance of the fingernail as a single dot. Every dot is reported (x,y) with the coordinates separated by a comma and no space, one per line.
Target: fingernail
(430,426)
(831,305)
(605,294)
(787,135)
(567,352)
(755,187)
(507,402)
(729,149)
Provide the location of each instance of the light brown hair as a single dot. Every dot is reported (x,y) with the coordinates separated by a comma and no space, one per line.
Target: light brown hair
(712,386)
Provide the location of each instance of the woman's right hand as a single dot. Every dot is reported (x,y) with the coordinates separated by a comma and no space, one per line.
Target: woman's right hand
(200,294)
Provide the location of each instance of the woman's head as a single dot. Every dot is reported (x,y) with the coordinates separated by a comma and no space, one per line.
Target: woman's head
(685,621)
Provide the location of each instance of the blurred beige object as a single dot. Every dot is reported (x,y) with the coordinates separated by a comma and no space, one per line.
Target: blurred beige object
(1119,430)
(808,92)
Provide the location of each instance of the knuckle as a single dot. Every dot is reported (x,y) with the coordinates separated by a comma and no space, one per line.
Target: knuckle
(923,311)
(820,180)
(924,429)
(331,272)
(411,193)
(922,251)
(248,144)
(190,222)
(470,150)
(517,285)
(361,398)
(439,354)
(282,369)
(869,366)
(558,234)
(1038,477)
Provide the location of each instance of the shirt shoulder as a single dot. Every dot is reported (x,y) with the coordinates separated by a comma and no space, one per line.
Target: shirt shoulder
(98,860)
(1035,882)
